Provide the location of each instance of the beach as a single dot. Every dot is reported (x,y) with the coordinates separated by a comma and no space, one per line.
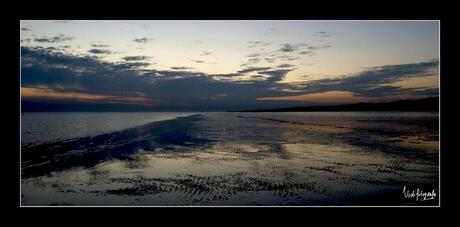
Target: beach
(241,159)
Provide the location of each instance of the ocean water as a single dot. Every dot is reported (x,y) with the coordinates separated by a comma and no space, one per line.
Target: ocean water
(237,159)
(37,127)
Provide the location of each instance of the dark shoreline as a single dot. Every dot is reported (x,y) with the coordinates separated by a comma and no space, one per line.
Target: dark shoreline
(430,104)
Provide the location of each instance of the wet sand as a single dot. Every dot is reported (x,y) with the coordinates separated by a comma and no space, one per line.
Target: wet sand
(241,159)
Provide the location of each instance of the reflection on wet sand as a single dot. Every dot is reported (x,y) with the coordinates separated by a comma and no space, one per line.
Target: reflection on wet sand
(240,159)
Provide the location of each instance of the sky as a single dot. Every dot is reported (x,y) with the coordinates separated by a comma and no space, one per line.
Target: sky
(224,65)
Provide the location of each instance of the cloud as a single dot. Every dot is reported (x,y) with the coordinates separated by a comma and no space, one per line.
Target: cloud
(42,57)
(27,40)
(275,75)
(270,60)
(378,81)
(64,72)
(253,44)
(143,40)
(287,52)
(181,68)
(319,47)
(130,65)
(99,45)
(41,92)
(25,29)
(253,55)
(302,48)
(99,51)
(214,97)
(59,75)
(54,75)
(287,57)
(305,53)
(253,69)
(202,62)
(288,48)
(205,53)
(251,61)
(330,97)
(56,39)
(136,58)
(174,74)
(324,34)
(285,66)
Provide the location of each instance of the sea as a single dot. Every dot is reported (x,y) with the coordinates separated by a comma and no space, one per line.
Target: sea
(39,127)
(229,159)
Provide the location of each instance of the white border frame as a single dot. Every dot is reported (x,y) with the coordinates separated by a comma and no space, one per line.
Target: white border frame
(320,206)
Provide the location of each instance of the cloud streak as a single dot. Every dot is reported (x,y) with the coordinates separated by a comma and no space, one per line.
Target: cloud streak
(55,39)
(284,52)
(54,75)
(288,48)
(136,58)
(47,93)
(205,53)
(143,40)
(202,61)
(376,81)
(99,51)
(99,45)
(371,84)
(181,68)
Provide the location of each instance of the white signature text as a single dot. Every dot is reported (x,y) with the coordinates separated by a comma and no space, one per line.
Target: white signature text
(419,195)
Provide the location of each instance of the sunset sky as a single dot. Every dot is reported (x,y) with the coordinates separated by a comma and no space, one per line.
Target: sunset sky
(225,65)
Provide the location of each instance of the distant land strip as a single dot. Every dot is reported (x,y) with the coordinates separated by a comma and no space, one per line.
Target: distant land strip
(430,104)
